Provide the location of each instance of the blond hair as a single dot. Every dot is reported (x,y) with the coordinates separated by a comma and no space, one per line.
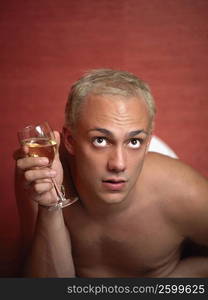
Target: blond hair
(107,81)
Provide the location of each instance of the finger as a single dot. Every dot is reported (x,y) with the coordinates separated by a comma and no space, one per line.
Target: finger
(44,180)
(43,187)
(33,175)
(29,185)
(45,199)
(32,162)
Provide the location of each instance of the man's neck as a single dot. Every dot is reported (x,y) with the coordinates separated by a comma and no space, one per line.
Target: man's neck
(100,210)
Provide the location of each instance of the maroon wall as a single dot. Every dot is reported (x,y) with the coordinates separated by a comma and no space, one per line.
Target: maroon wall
(46,45)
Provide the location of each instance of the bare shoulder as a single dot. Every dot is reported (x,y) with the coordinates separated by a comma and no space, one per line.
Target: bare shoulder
(173,175)
(181,191)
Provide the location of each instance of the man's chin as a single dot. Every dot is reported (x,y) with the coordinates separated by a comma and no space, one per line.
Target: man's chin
(112,198)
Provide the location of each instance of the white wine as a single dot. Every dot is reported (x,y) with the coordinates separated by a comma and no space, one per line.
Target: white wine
(41,147)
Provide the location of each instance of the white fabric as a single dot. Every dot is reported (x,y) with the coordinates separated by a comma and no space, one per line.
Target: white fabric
(157,145)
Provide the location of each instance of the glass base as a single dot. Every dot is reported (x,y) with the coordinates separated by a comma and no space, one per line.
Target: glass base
(66,202)
(63,203)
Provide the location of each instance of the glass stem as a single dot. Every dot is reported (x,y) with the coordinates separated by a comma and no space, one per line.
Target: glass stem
(60,195)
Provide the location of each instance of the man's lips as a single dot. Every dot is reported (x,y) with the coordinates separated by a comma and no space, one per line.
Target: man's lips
(114,184)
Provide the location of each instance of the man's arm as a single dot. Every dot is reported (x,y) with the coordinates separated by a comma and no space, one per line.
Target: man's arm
(44,232)
(185,208)
(191,267)
(50,254)
(183,193)
(190,210)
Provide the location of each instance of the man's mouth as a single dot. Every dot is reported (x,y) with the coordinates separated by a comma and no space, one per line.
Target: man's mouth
(114,184)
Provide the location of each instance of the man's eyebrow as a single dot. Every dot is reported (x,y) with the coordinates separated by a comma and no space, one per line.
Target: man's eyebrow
(109,133)
(136,132)
(102,130)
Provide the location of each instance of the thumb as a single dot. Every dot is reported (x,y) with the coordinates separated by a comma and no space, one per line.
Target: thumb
(58,141)
(57,138)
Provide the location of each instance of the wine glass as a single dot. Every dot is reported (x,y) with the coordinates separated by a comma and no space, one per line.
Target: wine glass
(41,142)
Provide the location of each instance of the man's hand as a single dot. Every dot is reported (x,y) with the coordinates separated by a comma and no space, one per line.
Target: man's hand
(38,175)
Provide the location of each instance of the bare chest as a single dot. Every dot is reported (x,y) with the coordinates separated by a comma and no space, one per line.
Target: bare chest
(134,248)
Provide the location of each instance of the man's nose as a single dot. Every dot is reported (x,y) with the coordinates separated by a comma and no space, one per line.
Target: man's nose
(117,160)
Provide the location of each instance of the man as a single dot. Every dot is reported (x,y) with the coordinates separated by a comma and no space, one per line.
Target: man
(136,209)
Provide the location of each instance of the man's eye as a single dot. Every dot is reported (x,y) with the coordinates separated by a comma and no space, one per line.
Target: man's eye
(99,142)
(135,143)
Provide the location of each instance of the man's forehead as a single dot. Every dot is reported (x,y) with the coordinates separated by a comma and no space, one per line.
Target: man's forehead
(117,101)
(112,97)
(111,102)
(104,111)
(110,132)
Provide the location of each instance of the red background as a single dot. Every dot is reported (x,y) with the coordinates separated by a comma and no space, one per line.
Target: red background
(46,45)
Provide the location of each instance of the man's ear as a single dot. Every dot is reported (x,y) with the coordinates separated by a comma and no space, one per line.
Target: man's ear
(148,141)
(150,129)
(68,139)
